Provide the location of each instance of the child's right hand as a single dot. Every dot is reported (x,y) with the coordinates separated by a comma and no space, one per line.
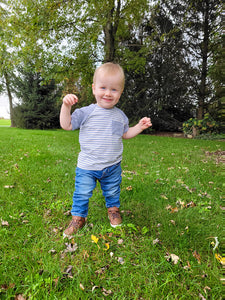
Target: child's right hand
(70,99)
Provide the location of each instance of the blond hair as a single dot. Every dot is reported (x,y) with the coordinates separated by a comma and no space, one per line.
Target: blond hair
(111,68)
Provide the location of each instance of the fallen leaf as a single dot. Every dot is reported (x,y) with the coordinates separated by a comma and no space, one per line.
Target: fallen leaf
(179,181)
(180,203)
(121,260)
(173,222)
(68,272)
(102,270)
(188,266)
(207,288)
(85,254)
(173,258)
(106,292)
(52,251)
(94,239)
(70,247)
(94,287)
(120,241)
(164,197)
(129,188)
(202,297)
(5,223)
(107,246)
(174,210)
(156,241)
(197,256)
(190,204)
(81,287)
(168,207)
(220,259)
(9,186)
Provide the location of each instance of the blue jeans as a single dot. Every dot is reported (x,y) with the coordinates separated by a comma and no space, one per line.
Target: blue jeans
(85,182)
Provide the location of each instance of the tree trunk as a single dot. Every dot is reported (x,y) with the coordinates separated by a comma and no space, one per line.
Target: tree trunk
(10,98)
(110,30)
(205,49)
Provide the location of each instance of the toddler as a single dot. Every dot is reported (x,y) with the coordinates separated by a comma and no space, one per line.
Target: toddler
(102,128)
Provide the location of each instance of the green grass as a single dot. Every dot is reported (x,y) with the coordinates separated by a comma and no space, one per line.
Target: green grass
(162,177)
(5,122)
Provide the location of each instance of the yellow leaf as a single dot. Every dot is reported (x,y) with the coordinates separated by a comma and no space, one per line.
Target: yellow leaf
(107,247)
(220,259)
(94,239)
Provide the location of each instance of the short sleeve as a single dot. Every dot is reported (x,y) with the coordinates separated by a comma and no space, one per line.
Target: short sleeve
(80,115)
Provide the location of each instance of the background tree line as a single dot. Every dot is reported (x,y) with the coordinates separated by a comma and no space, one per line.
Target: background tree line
(172,53)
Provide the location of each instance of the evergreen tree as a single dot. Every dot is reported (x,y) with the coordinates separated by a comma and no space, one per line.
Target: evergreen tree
(39,107)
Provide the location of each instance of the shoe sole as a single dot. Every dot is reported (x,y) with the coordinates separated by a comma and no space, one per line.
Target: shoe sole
(114,226)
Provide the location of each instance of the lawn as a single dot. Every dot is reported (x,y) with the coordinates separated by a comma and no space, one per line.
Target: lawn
(171,203)
(5,122)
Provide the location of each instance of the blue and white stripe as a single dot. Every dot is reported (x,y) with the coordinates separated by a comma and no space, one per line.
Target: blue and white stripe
(100,138)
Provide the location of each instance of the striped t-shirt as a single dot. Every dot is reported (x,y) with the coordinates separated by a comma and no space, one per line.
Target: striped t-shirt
(100,137)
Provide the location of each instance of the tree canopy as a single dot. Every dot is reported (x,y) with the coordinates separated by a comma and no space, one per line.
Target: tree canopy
(165,47)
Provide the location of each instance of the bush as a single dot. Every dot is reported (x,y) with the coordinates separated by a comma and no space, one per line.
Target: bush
(204,126)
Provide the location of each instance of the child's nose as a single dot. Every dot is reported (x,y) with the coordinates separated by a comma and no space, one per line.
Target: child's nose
(108,92)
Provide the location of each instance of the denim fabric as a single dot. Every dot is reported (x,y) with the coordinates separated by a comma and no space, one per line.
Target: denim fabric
(85,182)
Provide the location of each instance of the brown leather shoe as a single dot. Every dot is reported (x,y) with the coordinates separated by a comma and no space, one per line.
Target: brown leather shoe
(76,224)
(114,216)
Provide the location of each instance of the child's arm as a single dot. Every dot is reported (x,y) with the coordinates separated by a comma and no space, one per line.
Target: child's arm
(65,113)
(144,123)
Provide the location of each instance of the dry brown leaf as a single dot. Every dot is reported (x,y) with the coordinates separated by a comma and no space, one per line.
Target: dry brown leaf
(188,266)
(174,210)
(129,188)
(102,270)
(197,256)
(190,204)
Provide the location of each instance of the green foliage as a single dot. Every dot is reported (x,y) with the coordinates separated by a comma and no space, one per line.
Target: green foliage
(159,44)
(39,107)
(204,126)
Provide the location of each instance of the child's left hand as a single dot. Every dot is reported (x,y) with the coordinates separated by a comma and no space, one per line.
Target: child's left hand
(145,123)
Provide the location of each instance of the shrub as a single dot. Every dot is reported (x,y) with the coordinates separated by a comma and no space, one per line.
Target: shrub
(206,125)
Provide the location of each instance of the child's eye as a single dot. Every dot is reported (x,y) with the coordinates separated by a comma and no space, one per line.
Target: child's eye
(114,90)
(102,88)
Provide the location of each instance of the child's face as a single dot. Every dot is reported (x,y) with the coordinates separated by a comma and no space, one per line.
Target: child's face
(107,89)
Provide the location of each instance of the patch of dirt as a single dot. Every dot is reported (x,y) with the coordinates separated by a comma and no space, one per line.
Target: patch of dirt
(218,155)
(169,134)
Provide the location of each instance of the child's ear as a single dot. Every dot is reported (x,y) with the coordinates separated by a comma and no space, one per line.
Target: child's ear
(93,88)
